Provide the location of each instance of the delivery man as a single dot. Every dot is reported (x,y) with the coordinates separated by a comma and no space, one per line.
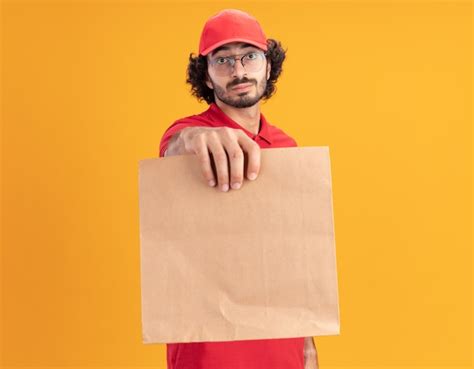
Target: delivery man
(237,66)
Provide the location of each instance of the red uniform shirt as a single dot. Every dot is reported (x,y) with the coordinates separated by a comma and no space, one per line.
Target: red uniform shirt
(268,136)
(279,353)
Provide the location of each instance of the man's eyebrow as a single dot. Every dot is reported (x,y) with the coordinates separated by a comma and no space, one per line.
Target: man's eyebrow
(223,48)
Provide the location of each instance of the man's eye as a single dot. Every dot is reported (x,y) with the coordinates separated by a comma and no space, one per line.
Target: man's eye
(251,56)
(221,60)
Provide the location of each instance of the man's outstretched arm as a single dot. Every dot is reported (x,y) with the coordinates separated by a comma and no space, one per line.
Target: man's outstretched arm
(310,354)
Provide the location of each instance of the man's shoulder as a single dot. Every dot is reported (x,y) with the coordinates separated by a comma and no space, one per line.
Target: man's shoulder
(280,137)
(202,119)
(275,128)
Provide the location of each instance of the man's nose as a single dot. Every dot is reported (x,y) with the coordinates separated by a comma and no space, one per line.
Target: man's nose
(238,70)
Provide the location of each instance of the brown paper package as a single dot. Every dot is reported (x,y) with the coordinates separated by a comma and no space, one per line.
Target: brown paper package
(253,263)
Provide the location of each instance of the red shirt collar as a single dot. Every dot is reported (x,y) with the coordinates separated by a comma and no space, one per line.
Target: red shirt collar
(219,115)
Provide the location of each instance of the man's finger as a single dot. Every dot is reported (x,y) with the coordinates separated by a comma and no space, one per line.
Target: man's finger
(236,161)
(221,162)
(204,158)
(253,151)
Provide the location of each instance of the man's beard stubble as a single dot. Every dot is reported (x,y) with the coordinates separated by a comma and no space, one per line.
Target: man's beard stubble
(243,100)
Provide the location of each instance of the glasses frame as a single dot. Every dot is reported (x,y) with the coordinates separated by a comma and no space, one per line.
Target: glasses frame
(232,59)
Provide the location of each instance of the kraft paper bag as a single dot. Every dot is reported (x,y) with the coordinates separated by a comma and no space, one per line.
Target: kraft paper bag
(253,263)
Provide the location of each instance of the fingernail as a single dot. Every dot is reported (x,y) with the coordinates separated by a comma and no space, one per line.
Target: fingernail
(225,187)
(236,185)
(252,176)
(212,183)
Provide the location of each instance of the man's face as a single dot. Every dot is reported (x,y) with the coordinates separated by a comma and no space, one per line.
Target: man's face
(226,87)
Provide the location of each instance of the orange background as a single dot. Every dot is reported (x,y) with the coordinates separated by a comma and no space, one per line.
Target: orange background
(88,88)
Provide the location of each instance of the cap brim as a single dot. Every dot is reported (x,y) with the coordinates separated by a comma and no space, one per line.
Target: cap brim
(222,42)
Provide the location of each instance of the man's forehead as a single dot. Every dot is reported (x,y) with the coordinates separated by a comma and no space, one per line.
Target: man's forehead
(232,46)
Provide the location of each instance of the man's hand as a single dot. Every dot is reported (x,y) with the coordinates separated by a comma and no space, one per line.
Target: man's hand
(226,147)
(310,354)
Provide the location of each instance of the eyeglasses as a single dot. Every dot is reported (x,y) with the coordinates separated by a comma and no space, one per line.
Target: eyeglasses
(252,62)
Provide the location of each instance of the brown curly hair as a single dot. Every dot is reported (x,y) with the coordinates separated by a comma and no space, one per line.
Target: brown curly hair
(197,72)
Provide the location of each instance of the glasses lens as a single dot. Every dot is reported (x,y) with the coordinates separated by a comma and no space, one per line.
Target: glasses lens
(252,62)
(223,69)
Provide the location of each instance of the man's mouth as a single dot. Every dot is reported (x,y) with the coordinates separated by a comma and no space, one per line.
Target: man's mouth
(242,86)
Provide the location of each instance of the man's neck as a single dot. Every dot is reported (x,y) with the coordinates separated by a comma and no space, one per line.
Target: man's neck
(249,118)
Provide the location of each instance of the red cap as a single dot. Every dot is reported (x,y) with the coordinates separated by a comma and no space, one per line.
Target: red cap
(231,25)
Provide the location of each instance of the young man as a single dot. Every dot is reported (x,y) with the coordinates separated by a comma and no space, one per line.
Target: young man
(237,66)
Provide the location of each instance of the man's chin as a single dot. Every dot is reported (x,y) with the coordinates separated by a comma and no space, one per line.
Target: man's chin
(241,103)
(245,104)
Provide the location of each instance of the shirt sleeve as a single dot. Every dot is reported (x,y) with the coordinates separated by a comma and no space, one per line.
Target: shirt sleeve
(174,128)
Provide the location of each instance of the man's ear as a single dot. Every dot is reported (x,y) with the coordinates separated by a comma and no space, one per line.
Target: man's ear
(208,81)
(269,68)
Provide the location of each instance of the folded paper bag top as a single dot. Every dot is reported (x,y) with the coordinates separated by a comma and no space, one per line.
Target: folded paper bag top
(253,263)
